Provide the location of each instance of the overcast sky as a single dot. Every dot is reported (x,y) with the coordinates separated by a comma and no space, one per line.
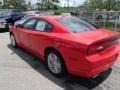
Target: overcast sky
(78,2)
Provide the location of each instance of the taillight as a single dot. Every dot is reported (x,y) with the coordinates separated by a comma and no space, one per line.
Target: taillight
(95,49)
(99,47)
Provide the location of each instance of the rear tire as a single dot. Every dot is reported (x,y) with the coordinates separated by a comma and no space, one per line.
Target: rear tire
(55,63)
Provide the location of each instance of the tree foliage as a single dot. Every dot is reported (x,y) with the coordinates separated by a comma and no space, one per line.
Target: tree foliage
(102,4)
(47,4)
(17,4)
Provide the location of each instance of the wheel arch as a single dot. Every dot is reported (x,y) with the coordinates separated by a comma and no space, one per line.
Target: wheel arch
(52,48)
(99,16)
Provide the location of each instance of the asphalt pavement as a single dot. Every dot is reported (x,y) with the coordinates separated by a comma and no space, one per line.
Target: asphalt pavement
(20,70)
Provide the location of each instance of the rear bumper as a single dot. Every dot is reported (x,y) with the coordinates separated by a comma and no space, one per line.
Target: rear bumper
(93,71)
(96,64)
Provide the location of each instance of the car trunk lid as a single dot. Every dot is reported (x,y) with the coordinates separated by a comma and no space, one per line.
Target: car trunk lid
(99,41)
(90,37)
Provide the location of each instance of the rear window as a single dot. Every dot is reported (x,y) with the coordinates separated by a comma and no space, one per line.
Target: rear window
(5,12)
(75,24)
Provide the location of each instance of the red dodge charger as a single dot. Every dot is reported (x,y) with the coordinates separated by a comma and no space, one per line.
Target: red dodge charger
(68,44)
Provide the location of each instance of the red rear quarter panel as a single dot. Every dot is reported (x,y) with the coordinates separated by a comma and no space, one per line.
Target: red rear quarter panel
(70,50)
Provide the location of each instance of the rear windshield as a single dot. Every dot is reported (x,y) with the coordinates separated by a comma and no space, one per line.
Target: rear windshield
(5,12)
(75,24)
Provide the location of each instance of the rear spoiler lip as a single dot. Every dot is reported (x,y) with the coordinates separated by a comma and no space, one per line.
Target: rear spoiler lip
(115,37)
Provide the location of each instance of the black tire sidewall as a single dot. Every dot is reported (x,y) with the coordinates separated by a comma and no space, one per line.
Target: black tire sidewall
(100,17)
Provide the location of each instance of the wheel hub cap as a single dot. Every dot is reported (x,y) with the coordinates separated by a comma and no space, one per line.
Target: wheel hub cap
(12,40)
(54,63)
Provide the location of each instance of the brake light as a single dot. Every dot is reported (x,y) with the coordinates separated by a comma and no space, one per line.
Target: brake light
(95,49)
(98,47)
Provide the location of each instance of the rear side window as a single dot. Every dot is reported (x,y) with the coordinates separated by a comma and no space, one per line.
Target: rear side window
(49,27)
(75,24)
(29,24)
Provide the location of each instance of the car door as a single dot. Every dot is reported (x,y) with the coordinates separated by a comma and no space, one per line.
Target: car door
(25,31)
(40,38)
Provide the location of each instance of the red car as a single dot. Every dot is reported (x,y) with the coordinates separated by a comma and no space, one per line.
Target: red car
(68,44)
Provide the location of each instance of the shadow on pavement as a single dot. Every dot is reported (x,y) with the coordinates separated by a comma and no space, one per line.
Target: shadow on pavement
(68,82)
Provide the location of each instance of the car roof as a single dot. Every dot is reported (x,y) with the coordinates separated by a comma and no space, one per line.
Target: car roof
(53,16)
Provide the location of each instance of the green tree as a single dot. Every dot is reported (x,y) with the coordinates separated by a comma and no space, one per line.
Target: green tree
(17,4)
(112,4)
(47,4)
(102,4)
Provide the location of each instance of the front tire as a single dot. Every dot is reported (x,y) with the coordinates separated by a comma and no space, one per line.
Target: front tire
(55,63)
(13,41)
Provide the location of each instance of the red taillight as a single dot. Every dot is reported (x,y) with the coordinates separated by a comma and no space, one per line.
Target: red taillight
(95,49)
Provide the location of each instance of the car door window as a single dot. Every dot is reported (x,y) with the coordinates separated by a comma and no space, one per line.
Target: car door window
(43,26)
(29,24)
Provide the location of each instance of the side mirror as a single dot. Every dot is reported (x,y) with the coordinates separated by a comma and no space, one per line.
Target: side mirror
(19,26)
